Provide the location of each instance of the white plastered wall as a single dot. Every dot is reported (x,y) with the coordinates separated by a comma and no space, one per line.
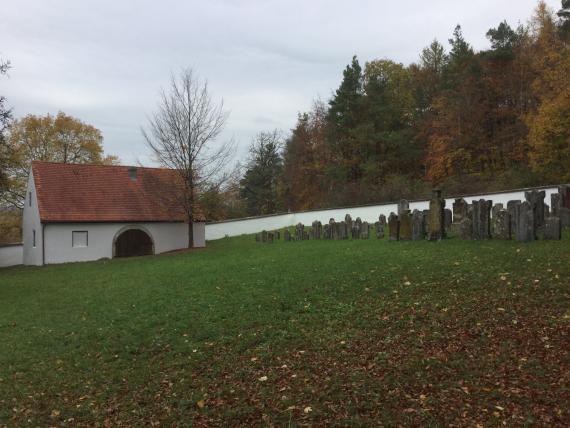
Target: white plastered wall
(367,213)
(165,237)
(32,255)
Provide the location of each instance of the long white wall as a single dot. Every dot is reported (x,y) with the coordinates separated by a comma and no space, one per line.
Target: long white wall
(11,255)
(367,213)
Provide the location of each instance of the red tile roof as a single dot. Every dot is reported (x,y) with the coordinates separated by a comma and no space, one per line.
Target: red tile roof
(104,193)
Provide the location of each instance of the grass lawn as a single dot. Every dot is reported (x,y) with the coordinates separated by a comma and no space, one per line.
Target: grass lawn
(339,333)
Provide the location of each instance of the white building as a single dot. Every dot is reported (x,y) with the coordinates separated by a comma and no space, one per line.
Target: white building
(88,212)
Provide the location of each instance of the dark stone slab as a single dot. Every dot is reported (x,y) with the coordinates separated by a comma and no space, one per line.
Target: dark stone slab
(436,223)
(418,226)
(482,219)
(502,225)
(525,231)
(553,229)
(460,207)
(405,219)
(379,228)
(403,205)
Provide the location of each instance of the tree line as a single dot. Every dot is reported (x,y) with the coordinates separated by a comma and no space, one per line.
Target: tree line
(463,120)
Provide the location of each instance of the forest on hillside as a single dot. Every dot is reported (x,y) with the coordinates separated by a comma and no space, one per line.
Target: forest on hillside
(462,120)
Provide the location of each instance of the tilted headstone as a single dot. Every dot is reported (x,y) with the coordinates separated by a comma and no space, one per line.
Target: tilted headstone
(418,230)
(502,225)
(536,200)
(436,217)
(403,205)
(465,229)
(405,225)
(482,219)
(393,227)
(382,219)
(448,215)
(379,227)
(553,229)
(459,210)
(526,231)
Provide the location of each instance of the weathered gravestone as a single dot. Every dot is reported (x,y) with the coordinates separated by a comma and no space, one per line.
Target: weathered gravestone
(482,219)
(405,219)
(459,210)
(354,232)
(556,204)
(425,214)
(553,229)
(341,230)
(403,205)
(365,230)
(546,211)
(317,229)
(418,230)
(536,200)
(465,229)
(513,216)
(379,230)
(393,227)
(565,217)
(286,235)
(348,221)
(270,237)
(358,224)
(257,237)
(495,209)
(264,236)
(331,229)
(448,216)
(277,235)
(299,232)
(382,219)
(525,231)
(502,225)
(436,223)
(327,231)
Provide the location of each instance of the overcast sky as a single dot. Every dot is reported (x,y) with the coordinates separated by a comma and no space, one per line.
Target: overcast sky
(105,61)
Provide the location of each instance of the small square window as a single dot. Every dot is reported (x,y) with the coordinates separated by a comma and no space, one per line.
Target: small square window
(79,239)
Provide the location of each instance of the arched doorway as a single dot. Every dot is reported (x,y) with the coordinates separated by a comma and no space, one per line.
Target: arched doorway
(133,242)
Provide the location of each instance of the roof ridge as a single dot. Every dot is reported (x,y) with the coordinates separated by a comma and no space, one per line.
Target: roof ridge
(100,165)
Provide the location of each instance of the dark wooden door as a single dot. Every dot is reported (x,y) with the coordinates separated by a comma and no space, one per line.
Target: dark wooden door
(133,242)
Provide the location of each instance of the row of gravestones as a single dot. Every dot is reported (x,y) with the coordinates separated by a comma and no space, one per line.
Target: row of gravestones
(524,221)
(418,225)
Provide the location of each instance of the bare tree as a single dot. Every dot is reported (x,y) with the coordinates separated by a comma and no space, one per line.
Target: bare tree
(182,136)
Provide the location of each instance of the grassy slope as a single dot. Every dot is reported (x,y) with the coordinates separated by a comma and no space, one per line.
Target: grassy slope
(358,331)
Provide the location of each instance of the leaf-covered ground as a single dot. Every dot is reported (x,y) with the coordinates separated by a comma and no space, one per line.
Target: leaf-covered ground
(359,333)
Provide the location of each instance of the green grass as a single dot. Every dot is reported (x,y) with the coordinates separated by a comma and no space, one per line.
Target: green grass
(361,332)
